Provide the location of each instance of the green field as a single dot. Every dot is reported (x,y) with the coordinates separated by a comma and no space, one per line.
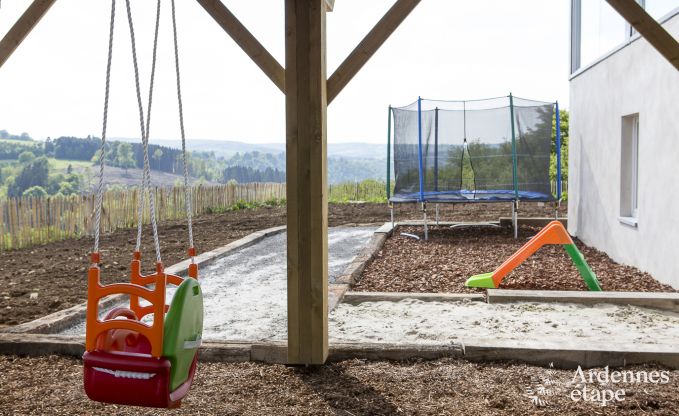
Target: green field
(62,164)
(23,142)
(55,164)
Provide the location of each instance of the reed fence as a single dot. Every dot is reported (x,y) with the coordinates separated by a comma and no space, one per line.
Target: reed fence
(27,221)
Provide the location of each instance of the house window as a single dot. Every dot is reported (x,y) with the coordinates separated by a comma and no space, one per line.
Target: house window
(629,170)
(597,29)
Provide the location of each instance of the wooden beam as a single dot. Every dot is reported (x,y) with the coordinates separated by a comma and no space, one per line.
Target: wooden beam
(23,27)
(306,161)
(649,28)
(368,46)
(246,40)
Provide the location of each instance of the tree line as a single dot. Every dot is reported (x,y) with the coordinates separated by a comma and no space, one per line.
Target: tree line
(32,178)
(4,134)
(242,174)
(119,154)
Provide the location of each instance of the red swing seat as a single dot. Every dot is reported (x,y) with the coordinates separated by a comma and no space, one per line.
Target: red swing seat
(138,379)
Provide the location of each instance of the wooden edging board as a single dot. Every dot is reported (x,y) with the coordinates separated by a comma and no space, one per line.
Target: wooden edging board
(668,301)
(342,284)
(34,345)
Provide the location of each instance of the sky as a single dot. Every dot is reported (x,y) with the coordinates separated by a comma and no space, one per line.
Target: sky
(53,85)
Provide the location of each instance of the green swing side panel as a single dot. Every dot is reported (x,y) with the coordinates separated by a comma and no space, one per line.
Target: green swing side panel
(581,264)
(183,322)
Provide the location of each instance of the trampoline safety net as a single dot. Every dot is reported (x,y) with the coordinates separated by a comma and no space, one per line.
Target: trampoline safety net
(495,149)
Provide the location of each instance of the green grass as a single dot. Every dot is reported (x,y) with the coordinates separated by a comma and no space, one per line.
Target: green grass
(24,142)
(62,164)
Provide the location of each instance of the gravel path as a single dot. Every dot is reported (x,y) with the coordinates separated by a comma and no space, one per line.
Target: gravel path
(245,292)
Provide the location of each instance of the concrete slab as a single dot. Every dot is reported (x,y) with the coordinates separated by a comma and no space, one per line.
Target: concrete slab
(655,300)
(387,228)
(336,292)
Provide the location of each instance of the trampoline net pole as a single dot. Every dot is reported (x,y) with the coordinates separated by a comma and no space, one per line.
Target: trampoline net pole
(514,161)
(391,212)
(424,216)
(515,218)
(419,147)
(389,157)
(436,151)
(558,152)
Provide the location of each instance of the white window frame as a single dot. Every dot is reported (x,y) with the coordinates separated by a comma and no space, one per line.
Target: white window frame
(634,180)
(629,171)
(631,35)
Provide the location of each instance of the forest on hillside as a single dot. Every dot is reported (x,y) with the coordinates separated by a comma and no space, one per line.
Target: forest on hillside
(64,165)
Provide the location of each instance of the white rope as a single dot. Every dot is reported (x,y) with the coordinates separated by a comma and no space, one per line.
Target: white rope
(187,190)
(146,174)
(140,211)
(102,152)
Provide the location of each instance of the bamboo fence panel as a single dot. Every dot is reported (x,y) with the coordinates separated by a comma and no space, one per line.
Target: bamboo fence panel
(28,221)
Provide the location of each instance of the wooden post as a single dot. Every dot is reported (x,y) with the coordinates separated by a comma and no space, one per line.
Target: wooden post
(306,104)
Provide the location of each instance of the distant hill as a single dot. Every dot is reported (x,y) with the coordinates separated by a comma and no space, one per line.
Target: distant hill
(228,148)
(346,161)
(130,177)
(216,161)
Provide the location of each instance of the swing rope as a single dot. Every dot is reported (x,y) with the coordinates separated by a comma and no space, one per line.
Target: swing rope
(146,173)
(145,125)
(102,151)
(187,190)
(142,126)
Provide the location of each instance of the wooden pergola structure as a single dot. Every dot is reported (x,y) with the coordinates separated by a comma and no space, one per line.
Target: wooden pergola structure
(308,91)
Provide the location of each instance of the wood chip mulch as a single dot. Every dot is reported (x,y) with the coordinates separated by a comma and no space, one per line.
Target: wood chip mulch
(450,256)
(53,386)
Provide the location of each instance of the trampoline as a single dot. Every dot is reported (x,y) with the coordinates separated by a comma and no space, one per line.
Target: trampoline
(489,150)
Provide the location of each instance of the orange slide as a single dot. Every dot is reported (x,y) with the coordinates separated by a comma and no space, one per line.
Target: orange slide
(553,233)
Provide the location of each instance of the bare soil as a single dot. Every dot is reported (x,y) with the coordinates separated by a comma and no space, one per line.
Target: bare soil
(43,279)
(53,385)
(449,257)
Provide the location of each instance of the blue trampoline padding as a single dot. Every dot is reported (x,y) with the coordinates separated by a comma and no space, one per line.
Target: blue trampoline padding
(494,195)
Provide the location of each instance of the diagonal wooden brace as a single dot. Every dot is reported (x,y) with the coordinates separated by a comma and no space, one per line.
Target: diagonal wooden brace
(368,46)
(246,40)
(649,28)
(23,27)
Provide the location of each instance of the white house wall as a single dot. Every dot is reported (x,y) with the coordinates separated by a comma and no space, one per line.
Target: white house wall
(636,79)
